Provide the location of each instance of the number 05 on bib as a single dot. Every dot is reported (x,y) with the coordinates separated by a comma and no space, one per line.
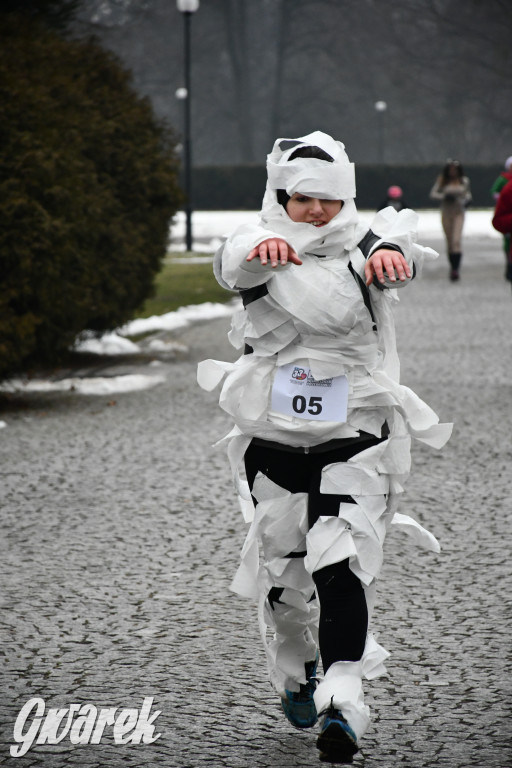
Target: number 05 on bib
(296,393)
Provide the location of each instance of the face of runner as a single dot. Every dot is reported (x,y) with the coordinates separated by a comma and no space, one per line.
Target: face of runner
(312,210)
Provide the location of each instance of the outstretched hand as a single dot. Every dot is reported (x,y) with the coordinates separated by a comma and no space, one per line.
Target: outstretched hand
(385,263)
(275,250)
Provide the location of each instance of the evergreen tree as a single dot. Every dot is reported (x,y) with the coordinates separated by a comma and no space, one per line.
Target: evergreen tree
(88,183)
(56,14)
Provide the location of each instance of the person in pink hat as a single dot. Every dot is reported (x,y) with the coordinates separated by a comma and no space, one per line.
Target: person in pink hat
(394,198)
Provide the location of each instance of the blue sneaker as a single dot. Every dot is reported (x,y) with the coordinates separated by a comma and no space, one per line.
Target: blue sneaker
(299,706)
(337,741)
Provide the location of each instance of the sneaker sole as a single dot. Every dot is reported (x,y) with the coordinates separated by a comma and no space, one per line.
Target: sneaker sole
(324,758)
(335,744)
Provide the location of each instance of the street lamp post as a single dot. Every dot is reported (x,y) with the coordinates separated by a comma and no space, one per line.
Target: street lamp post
(380,108)
(187,8)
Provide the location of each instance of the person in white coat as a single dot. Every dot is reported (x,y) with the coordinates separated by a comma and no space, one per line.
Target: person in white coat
(322,426)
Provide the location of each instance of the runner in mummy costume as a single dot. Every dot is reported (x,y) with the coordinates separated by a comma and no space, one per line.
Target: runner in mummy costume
(322,426)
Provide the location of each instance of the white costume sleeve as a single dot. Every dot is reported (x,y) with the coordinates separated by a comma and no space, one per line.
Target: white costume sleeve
(231,259)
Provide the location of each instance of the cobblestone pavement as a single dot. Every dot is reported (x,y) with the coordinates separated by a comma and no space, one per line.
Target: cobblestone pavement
(121,535)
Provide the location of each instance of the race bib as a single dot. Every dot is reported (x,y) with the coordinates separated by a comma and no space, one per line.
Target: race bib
(296,393)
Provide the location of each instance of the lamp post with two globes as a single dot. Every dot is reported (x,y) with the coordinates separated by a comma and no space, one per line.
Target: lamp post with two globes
(187,8)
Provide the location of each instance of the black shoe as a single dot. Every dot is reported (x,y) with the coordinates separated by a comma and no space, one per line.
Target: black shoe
(337,741)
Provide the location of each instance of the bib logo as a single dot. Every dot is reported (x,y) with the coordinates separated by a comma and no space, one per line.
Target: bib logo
(83,724)
(299,374)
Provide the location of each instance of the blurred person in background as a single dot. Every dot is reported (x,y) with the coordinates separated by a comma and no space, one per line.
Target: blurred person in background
(502,180)
(502,221)
(504,177)
(394,198)
(452,189)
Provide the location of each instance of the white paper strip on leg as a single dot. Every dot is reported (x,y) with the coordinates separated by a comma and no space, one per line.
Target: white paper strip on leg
(342,686)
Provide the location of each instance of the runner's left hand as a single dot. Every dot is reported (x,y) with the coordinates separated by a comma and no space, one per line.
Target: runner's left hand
(385,263)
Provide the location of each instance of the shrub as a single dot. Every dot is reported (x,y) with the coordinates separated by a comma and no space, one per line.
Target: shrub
(88,183)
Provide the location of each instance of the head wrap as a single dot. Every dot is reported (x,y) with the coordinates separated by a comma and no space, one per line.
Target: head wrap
(309,175)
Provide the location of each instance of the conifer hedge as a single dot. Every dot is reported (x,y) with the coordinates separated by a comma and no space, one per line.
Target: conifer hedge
(88,186)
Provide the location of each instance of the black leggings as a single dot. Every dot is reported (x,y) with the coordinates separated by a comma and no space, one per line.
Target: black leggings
(343,611)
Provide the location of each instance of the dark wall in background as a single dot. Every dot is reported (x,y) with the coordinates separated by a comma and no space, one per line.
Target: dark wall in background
(242,187)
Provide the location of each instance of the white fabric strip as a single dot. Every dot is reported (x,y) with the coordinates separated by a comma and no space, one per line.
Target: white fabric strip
(314,178)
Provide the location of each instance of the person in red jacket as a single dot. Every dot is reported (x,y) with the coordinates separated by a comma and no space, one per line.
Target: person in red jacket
(502,221)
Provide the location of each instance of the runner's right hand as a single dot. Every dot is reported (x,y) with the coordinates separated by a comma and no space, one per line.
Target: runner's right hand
(275,250)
